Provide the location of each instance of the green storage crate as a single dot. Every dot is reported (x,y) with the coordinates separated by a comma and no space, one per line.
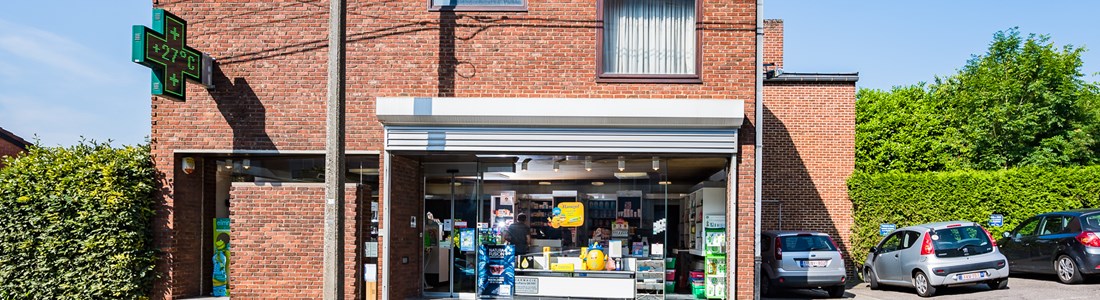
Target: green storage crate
(699,291)
(670,287)
(670,263)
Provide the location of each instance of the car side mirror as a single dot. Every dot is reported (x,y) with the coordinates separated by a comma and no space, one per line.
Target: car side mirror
(1006,234)
(874,250)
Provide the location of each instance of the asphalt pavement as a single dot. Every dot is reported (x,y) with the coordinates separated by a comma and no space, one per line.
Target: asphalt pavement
(1045,287)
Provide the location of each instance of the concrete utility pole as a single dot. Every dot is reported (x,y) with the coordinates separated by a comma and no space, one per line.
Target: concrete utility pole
(334,155)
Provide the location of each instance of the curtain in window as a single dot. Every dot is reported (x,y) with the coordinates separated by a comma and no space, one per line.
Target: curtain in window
(649,37)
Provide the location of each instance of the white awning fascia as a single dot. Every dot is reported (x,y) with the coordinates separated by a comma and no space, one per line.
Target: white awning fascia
(561,112)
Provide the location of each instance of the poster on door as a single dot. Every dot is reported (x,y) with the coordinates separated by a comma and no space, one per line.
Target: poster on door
(495,270)
(221,258)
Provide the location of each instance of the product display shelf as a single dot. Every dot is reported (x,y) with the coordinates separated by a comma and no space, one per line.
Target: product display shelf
(538,212)
(715,257)
(601,213)
(650,279)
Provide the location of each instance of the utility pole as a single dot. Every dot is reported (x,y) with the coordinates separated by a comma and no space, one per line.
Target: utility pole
(334,155)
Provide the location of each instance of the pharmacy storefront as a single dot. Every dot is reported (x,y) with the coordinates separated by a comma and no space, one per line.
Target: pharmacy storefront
(580,198)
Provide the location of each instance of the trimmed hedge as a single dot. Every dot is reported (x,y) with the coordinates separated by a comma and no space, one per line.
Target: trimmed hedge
(74,223)
(914,198)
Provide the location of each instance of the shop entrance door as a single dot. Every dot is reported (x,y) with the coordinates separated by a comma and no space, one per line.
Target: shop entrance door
(451,208)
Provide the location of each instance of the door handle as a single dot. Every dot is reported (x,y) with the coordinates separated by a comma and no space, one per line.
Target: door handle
(895,255)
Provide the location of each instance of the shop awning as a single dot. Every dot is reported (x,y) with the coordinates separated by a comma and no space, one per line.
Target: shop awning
(561,125)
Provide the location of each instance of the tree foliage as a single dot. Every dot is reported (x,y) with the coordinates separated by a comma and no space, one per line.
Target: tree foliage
(1022,103)
(74,223)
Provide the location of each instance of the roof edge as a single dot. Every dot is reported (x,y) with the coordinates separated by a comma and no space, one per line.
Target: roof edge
(804,77)
(14,139)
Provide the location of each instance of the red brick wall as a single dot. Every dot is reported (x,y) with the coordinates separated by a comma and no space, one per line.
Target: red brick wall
(773,43)
(270,85)
(809,153)
(405,241)
(277,240)
(180,228)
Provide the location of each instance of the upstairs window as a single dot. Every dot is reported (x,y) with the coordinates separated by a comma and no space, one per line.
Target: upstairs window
(477,5)
(649,41)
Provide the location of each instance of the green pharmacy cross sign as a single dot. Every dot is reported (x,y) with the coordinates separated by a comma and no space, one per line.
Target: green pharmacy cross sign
(164,49)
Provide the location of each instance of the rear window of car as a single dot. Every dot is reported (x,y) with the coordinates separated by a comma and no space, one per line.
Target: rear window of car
(1091,222)
(803,243)
(961,241)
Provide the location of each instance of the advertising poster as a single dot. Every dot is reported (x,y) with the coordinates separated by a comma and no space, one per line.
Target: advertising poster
(221,257)
(570,214)
(495,270)
(466,239)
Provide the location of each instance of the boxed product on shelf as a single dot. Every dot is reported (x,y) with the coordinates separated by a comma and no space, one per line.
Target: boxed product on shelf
(697,275)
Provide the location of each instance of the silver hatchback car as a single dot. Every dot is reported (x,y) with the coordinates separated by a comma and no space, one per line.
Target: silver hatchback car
(935,255)
(803,260)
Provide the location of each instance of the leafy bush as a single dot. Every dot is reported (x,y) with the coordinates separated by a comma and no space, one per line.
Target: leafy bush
(914,198)
(74,223)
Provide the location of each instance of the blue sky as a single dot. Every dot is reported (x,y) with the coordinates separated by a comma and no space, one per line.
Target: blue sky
(65,69)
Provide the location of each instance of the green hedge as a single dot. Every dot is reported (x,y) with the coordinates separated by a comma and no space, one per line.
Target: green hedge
(914,198)
(74,223)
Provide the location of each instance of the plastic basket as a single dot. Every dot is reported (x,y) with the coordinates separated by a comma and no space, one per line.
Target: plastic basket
(699,291)
(670,263)
(697,274)
(670,287)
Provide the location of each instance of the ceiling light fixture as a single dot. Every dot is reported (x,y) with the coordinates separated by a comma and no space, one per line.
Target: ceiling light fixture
(557,166)
(523,166)
(656,163)
(229,164)
(588,163)
(622,164)
(631,175)
(665,182)
(597,183)
(544,183)
(246,164)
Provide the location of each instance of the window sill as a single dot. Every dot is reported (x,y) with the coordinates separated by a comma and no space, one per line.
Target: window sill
(471,8)
(675,79)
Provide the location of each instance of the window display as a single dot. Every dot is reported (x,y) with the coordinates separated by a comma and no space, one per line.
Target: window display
(580,228)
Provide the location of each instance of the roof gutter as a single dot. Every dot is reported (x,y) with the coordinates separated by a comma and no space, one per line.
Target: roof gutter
(758,160)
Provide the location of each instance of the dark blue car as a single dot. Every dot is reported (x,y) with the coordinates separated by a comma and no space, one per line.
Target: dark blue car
(1065,243)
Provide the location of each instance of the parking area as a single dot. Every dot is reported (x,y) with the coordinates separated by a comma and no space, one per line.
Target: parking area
(1019,287)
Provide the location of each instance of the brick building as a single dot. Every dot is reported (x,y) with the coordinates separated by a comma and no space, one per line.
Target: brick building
(11,144)
(447,105)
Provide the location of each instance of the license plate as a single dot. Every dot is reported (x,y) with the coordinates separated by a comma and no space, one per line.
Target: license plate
(813,263)
(971,276)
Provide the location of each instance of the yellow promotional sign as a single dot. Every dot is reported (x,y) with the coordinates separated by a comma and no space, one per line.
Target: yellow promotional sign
(572,214)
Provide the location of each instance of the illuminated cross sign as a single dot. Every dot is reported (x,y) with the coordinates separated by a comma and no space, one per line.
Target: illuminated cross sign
(164,49)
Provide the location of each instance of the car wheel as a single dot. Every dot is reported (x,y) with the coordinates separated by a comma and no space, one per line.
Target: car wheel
(766,286)
(872,281)
(1067,270)
(998,284)
(923,285)
(836,291)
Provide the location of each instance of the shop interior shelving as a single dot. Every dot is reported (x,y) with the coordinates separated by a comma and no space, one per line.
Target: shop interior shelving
(649,279)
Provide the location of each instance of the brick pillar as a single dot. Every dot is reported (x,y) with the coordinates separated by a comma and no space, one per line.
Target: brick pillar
(406,201)
(277,243)
(773,43)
